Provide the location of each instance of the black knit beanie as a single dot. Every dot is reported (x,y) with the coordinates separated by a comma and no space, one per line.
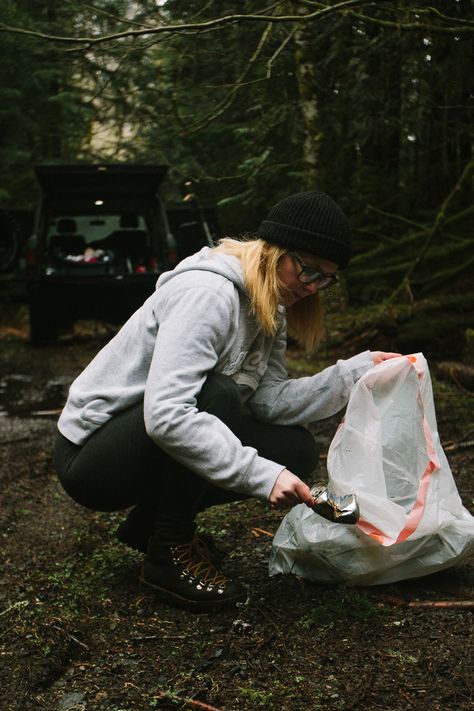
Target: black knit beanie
(310,222)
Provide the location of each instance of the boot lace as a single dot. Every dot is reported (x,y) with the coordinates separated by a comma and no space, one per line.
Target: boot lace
(194,556)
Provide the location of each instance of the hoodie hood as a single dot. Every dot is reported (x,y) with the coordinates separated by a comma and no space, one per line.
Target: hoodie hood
(208,260)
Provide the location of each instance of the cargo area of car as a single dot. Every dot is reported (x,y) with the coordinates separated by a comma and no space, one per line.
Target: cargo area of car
(102,235)
(100,244)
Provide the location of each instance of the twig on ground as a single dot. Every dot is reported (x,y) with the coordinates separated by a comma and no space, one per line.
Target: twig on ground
(257,532)
(266,641)
(7,630)
(266,616)
(47,413)
(145,638)
(437,604)
(14,440)
(71,637)
(192,703)
(461,604)
(452,446)
(16,606)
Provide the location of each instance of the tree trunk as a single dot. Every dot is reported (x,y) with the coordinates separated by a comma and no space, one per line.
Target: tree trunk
(306,76)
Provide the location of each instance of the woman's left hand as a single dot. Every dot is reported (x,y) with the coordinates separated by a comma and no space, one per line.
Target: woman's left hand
(380,356)
(290,490)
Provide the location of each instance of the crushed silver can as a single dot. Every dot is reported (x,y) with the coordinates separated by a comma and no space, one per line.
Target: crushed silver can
(338,509)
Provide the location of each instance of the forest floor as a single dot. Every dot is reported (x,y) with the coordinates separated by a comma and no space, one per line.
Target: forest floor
(78,633)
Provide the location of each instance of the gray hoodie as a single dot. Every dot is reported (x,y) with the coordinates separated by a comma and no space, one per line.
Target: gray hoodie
(198,321)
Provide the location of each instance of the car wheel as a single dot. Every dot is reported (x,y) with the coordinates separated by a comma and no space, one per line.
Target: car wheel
(43,324)
(9,251)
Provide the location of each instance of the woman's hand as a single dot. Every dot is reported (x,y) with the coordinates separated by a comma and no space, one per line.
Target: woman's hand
(380,356)
(289,490)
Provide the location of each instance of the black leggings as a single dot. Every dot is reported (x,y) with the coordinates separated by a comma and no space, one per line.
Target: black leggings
(120,466)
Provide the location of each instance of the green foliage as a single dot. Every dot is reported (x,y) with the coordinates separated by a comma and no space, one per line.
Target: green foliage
(344,606)
(228,107)
(469,346)
(369,103)
(259,698)
(44,114)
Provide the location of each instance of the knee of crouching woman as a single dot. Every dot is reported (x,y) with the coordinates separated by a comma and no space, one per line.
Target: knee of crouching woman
(304,453)
(220,396)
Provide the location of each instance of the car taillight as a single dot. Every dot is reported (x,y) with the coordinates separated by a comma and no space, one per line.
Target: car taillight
(172,256)
(30,262)
(153,264)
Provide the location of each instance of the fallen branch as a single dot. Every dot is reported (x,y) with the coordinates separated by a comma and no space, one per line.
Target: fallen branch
(7,331)
(461,604)
(432,233)
(452,446)
(13,440)
(145,638)
(16,606)
(192,703)
(436,604)
(460,373)
(399,218)
(266,640)
(71,637)
(47,413)
(461,387)
(257,532)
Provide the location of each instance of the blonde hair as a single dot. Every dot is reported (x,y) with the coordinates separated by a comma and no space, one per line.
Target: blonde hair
(259,260)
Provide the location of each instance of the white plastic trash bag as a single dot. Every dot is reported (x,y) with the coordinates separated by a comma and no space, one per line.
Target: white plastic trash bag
(387,452)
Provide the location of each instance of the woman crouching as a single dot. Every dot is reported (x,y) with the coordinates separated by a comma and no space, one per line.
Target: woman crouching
(190,405)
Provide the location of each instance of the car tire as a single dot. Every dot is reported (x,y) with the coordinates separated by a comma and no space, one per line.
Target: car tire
(43,324)
(9,251)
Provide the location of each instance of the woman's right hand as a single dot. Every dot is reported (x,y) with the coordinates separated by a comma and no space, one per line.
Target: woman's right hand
(289,490)
(380,356)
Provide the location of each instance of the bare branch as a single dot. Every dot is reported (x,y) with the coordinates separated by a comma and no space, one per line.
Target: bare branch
(230,96)
(279,50)
(414,10)
(432,232)
(106,13)
(411,25)
(434,11)
(192,26)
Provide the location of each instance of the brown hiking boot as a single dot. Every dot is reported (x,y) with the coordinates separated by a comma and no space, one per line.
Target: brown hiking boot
(137,528)
(185,576)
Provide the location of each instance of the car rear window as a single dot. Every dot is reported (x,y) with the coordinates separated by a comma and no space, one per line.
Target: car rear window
(120,242)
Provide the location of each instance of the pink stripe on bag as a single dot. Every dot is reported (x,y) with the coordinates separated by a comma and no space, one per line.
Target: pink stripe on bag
(374,533)
(414,517)
(416,513)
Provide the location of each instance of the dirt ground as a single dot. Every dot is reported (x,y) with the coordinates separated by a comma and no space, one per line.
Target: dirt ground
(78,633)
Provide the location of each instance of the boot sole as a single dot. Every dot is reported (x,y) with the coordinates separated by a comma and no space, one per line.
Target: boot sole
(192,605)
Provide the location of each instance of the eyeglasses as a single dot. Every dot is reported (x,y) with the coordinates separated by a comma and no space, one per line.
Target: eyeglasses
(310,275)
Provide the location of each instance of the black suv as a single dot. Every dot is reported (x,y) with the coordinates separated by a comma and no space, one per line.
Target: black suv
(101,238)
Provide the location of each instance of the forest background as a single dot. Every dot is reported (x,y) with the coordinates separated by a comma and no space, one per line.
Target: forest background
(368,101)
